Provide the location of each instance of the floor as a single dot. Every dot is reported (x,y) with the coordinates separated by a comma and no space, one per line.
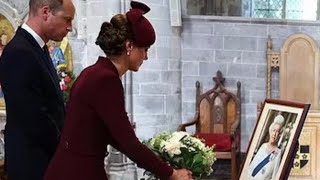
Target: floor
(221,171)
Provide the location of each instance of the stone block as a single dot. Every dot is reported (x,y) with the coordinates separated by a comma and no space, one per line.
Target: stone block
(237,29)
(312,31)
(150,120)
(162,27)
(254,57)
(262,45)
(159,12)
(240,43)
(197,28)
(189,81)
(190,68)
(197,55)
(257,96)
(155,89)
(148,104)
(174,65)
(261,70)
(146,77)
(222,56)
(168,53)
(282,31)
(103,8)
(189,94)
(196,41)
(171,77)
(210,69)
(173,106)
(242,70)
(155,65)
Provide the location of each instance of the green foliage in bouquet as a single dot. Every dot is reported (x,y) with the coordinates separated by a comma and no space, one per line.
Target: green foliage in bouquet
(66,80)
(181,150)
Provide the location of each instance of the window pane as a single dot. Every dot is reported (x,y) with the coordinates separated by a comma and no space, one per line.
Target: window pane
(276,9)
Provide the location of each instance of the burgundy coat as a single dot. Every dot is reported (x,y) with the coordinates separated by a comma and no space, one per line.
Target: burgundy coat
(96,117)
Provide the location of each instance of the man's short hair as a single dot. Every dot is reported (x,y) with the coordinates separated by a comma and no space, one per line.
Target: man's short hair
(54,5)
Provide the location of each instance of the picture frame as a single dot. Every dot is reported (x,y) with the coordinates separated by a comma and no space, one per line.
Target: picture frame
(274,141)
(7,29)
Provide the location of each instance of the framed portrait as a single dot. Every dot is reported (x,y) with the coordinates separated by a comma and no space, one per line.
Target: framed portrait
(6,33)
(274,141)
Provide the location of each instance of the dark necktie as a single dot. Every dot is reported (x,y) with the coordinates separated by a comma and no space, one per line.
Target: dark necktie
(50,66)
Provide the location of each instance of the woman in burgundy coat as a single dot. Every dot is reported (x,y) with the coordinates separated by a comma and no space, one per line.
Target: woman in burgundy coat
(96,115)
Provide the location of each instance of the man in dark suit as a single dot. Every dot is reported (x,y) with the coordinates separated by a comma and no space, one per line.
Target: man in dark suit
(34,103)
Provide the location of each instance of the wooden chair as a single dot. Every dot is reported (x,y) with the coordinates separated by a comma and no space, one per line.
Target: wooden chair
(218,121)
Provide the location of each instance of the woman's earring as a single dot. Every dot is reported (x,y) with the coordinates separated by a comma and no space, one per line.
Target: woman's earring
(128,53)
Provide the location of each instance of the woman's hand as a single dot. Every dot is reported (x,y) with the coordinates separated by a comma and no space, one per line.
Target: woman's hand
(181,174)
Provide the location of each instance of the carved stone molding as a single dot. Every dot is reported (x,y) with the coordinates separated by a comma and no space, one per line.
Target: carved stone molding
(14,11)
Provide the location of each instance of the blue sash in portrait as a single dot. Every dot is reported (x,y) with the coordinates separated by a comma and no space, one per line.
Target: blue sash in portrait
(264,162)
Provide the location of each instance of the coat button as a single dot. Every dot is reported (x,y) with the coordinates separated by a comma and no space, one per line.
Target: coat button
(66,145)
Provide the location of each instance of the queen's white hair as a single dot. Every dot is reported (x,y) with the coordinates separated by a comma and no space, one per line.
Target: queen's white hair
(279,119)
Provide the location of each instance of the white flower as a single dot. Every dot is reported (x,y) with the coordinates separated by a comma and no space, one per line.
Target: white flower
(177,136)
(63,74)
(180,148)
(62,83)
(173,148)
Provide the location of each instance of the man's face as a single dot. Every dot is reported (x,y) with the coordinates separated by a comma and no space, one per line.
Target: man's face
(60,21)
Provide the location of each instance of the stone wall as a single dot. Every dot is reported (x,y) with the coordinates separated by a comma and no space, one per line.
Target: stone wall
(236,47)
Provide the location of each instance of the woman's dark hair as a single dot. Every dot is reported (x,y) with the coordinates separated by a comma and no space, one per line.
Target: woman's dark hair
(113,36)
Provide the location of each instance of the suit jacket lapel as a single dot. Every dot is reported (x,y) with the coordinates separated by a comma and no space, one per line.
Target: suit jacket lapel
(44,61)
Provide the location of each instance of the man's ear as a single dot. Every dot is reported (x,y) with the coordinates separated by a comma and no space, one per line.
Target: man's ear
(45,11)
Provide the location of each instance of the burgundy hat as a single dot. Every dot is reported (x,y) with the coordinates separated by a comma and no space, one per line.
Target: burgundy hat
(144,34)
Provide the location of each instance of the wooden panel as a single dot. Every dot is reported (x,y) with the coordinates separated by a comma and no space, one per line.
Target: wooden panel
(205,116)
(307,165)
(218,114)
(231,113)
(299,74)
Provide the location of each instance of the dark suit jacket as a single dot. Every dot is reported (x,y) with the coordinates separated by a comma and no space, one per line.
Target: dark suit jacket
(34,107)
(96,117)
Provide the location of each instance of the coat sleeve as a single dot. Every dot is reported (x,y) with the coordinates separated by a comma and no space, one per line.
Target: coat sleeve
(109,104)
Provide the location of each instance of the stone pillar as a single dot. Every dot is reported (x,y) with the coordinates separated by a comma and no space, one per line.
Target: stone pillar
(119,167)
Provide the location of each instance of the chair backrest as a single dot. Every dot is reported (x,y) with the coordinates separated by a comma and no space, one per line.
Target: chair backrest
(298,64)
(218,108)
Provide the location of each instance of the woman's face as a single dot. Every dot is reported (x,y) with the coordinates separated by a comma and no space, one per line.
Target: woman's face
(4,39)
(275,133)
(137,56)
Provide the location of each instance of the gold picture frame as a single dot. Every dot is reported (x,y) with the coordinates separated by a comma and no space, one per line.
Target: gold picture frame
(7,29)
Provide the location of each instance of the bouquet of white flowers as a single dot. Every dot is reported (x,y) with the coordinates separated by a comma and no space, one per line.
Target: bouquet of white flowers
(181,150)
